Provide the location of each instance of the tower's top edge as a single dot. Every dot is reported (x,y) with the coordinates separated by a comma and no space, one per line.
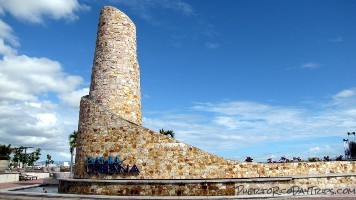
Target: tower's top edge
(113,10)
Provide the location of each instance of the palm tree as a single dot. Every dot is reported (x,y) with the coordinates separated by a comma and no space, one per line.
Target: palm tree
(49,160)
(72,144)
(166,133)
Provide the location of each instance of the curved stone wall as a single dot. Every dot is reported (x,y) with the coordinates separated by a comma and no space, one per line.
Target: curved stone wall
(103,133)
(115,80)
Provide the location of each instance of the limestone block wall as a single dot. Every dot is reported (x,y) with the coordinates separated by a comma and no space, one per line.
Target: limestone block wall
(115,80)
(104,133)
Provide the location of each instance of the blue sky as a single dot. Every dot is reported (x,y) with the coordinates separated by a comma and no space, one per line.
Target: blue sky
(235,78)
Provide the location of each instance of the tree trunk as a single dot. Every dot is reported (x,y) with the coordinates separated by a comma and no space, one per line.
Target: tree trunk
(71,164)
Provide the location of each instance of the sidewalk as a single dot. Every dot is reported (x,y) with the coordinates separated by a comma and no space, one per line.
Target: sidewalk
(20,183)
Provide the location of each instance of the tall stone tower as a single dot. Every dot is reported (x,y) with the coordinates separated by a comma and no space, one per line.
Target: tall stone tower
(114,96)
(115,81)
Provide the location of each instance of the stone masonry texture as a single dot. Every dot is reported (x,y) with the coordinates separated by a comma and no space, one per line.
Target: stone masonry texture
(110,123)
(294,186)
(103,133)
(115,80)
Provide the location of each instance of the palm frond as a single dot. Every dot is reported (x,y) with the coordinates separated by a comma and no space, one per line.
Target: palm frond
(167,132)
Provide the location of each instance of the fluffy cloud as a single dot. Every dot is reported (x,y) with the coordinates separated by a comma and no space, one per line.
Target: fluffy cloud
(24,78)
(72,97)
(28,115)
(38,100)
(5,49)
(345,98)
(35,11)
(25,124)
(6,33)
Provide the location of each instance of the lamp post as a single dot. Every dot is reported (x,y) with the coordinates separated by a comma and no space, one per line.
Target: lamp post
(350,146)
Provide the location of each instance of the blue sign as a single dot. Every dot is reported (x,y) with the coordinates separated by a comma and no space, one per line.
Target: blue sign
(112,165)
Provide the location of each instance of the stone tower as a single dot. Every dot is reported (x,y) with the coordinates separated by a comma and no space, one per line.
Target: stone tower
(115,81)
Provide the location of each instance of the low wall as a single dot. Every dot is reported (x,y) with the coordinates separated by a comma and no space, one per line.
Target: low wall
(39,174)
(14,176)
(342,184)
(9,177)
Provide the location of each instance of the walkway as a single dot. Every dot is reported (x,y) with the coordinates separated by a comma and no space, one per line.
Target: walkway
(20,183)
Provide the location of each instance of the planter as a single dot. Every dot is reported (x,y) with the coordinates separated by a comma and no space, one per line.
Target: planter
(4,164)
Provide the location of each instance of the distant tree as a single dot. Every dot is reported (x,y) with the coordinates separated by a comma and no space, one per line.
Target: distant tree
(27,159)
(297,159)
(49,160)
(248,159)
(5,152)
(339,158)
(167,132)
(326,158)
(19,156)
(72,145)
(313,159)
(34,156)
(269,160)
(284,160)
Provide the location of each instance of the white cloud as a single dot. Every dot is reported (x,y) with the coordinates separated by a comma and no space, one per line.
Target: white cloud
(253,112)
(345,94)
(337,39)
(46,120)
(147,8)
(315,150)
(24,78)
(7,34)
(37,123)
(211,45)
(73,98)
(36,11)
(23,124)
(65,155)
(195,132)
(178,5)
(344,100)
(324,150)
(145,5)
(38,100)
(5,49)
(26,117)
(310,65)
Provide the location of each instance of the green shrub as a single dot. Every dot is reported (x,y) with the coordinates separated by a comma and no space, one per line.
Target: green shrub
(5,152)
